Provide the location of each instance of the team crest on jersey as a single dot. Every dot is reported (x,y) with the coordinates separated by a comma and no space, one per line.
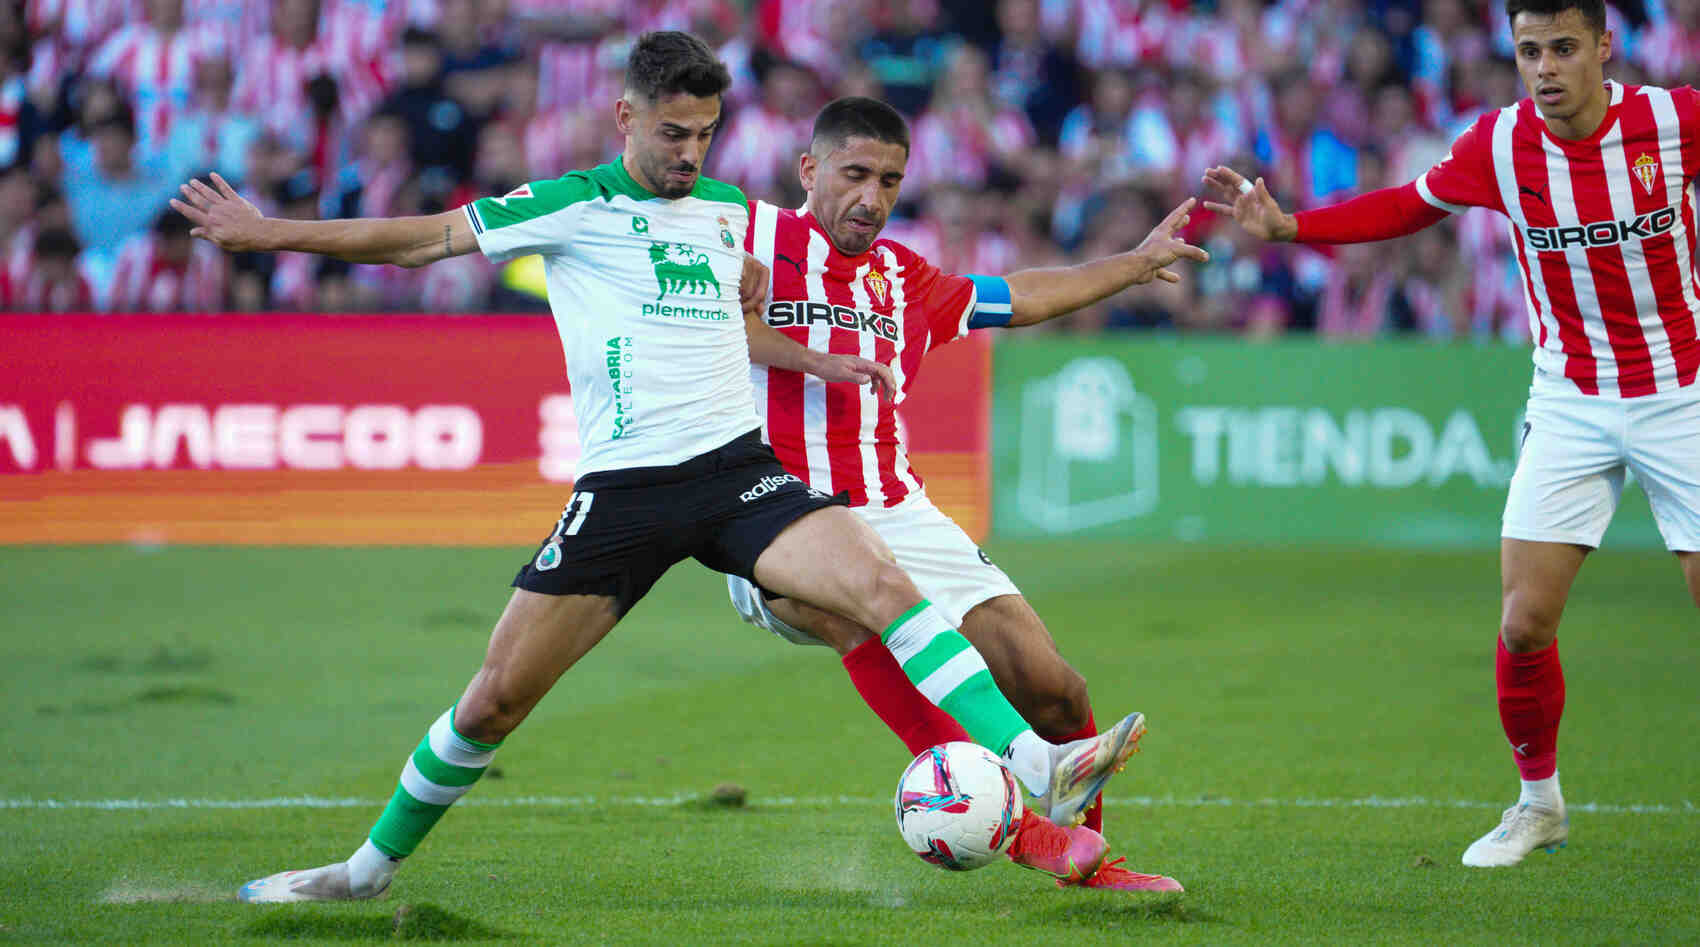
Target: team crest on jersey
(726,233)
(879,288)
(524,190)
(682,270)
(1647,169)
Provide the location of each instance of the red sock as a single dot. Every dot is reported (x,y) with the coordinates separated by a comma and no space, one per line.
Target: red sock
(1095,814)
(889,693)
(1531,701)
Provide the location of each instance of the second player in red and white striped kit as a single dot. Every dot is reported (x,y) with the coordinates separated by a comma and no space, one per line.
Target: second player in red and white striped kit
(886,304)
(838,288)
(1595,179)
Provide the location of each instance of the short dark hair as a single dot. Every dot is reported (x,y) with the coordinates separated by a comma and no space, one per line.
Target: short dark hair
(668,61)
(1593,11)
(857,116)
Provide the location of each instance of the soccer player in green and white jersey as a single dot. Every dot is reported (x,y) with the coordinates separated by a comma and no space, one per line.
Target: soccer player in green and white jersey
(641,255)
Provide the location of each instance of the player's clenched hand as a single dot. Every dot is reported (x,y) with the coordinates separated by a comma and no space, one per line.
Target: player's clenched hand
(1252,208)
(752,286)
(1163,245)
(849,368)
(221,215)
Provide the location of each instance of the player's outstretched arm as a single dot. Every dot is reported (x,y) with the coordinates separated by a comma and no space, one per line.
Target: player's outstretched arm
(1040,294)
(769,346)
(1253,208)
(1378,215)
(222,217)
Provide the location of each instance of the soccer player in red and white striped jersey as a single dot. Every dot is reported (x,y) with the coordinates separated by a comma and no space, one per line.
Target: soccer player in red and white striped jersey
(838,288)
(1595,177)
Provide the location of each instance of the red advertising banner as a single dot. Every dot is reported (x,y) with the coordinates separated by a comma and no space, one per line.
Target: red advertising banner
(347,430)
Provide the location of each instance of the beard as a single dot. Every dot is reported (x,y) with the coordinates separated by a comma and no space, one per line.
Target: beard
(854,242)
(665,186)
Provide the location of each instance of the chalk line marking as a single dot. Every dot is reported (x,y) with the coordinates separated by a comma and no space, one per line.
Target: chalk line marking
(1685,807)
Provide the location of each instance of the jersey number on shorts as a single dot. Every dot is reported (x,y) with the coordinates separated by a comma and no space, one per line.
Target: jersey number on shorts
(572,520)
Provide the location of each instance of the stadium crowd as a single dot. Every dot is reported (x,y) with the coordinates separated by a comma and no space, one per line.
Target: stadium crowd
(1044,131)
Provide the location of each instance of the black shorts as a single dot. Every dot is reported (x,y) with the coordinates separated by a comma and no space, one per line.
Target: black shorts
(622,529)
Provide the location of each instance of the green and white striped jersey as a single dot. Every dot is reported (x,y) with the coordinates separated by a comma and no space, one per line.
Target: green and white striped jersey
(645,296)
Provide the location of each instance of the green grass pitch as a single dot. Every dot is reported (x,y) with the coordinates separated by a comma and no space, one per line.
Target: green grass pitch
(1324,743)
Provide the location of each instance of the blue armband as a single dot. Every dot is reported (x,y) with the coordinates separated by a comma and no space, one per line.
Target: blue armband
(991,303)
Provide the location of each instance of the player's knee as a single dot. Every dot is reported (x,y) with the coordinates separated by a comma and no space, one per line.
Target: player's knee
(888,592)
(483,714)
(1524,630)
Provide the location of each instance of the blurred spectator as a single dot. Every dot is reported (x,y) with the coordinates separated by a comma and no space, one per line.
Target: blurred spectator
(165,270)
(966,138)
(1670,49)
(114,192)
(761,146)
(907,53)
(370,185)
(1094,133)
(1358,299)
(1369,67)
(475,60)
(956,232)
(17,228)
(1120,34)
(442,132)
(1028,73)
(309,84)
(826,37)
(153,62)
(211,135)
(56,283)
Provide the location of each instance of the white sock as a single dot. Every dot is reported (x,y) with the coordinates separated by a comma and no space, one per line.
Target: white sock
(1029,759)
(370,870)
(1542,792)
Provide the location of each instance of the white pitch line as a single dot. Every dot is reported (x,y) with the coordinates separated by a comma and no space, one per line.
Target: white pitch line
(1685,807)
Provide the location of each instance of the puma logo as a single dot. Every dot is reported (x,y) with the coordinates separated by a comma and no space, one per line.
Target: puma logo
(794,263)
(1521,749)
(1538,195)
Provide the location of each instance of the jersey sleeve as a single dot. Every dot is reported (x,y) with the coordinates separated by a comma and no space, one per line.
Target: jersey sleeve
(540,217)
(947,301)
(1465,177)
(1687,102)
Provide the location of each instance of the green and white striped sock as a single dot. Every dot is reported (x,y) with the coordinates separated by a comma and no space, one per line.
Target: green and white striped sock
(946,668)
(440,771)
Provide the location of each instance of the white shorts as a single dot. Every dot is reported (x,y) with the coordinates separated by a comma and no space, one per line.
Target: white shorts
(949,568)
(1576,449)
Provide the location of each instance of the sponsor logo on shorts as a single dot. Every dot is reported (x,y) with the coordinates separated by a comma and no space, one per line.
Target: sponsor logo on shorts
(983,557)
(549,558)
(767,485)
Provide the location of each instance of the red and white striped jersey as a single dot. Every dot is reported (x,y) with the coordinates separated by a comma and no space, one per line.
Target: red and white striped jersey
(156,70)
(887,304)
(271,82)
(144,281)
(1604,231)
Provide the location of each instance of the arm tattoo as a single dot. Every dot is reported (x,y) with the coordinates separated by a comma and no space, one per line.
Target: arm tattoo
(448,245)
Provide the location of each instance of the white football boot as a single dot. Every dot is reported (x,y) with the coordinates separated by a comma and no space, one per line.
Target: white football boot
(1522,829)
(1080,769)
(328,883)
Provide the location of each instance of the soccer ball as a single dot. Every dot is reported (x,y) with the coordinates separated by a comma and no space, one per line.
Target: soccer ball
(958,806)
